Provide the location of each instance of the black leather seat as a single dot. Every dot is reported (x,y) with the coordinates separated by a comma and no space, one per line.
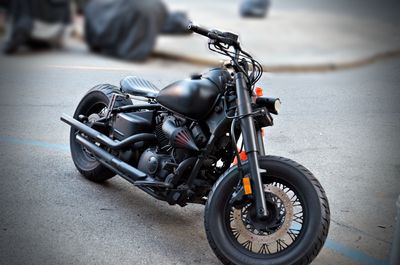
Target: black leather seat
(137,86)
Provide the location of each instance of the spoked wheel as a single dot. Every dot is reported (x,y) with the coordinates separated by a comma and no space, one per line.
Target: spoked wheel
(94,106)
(279,231)
(296,226)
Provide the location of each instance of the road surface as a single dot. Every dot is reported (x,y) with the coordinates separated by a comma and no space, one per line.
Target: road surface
(343,126)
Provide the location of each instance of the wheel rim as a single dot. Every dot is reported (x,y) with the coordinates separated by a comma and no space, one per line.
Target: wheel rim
(98,109)
(282,229)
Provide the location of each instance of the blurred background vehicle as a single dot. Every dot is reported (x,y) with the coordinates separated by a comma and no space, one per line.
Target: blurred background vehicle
(37,23)
(125,29)
(254,8)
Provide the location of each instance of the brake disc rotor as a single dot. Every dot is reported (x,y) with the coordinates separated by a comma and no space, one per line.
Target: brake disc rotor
(264,238)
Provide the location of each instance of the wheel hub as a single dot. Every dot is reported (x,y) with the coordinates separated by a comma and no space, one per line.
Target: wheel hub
(271,222)
(93,118)
(271,229)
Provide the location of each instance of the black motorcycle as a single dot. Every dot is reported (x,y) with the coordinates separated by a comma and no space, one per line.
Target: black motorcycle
(200,140)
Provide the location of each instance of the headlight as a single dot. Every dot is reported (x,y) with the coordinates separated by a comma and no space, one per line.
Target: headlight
(277,105)
(273,105)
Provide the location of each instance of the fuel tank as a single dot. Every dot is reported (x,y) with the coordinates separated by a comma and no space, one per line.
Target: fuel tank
(194,98)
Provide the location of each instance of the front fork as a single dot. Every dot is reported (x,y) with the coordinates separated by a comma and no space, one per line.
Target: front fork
(252,145)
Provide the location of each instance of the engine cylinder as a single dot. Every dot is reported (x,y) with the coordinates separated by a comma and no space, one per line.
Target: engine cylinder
(179,137)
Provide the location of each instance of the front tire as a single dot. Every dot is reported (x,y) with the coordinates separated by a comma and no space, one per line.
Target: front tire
(93,104)
(295,230)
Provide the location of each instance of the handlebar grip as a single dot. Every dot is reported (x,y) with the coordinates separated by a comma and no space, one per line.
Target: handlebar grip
(198,30)
(222,37)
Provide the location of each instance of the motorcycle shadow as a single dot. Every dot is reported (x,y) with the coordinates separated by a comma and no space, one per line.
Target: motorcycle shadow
(178,232)
(130,200)
(128,197)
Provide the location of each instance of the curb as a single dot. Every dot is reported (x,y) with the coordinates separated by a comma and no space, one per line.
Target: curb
(287,68)
(283,68)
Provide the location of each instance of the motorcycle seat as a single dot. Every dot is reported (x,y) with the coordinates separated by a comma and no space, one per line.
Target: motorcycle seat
(138,86)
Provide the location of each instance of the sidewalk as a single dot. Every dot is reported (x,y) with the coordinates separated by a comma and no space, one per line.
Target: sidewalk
(295,37)
(291,38)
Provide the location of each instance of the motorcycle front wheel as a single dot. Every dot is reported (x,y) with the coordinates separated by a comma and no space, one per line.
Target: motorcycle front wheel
(294,231)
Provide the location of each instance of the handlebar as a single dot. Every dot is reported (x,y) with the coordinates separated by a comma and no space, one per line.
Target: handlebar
(222,37)
(198,30)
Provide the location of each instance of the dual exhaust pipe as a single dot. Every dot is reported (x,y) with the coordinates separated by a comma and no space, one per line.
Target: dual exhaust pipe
(122,168)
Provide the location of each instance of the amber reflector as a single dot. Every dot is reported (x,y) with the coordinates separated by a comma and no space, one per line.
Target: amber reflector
(247,186)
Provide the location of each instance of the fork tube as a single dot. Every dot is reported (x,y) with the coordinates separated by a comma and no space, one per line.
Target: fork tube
(260,140)
(250,143)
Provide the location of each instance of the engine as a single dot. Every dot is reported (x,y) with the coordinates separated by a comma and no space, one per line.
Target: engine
(155,164)
(177,141)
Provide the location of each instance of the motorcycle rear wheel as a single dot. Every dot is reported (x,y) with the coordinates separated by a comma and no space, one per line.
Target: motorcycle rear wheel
(298,221)
(93,104)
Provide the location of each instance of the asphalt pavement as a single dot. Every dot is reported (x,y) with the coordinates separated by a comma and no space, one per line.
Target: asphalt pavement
(343,126)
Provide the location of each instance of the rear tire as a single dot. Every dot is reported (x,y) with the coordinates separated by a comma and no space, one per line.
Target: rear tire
(94,102)
(297,241)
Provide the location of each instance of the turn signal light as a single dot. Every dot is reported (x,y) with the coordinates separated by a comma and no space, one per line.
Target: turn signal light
(247,186)
(259,92)
(243,156)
